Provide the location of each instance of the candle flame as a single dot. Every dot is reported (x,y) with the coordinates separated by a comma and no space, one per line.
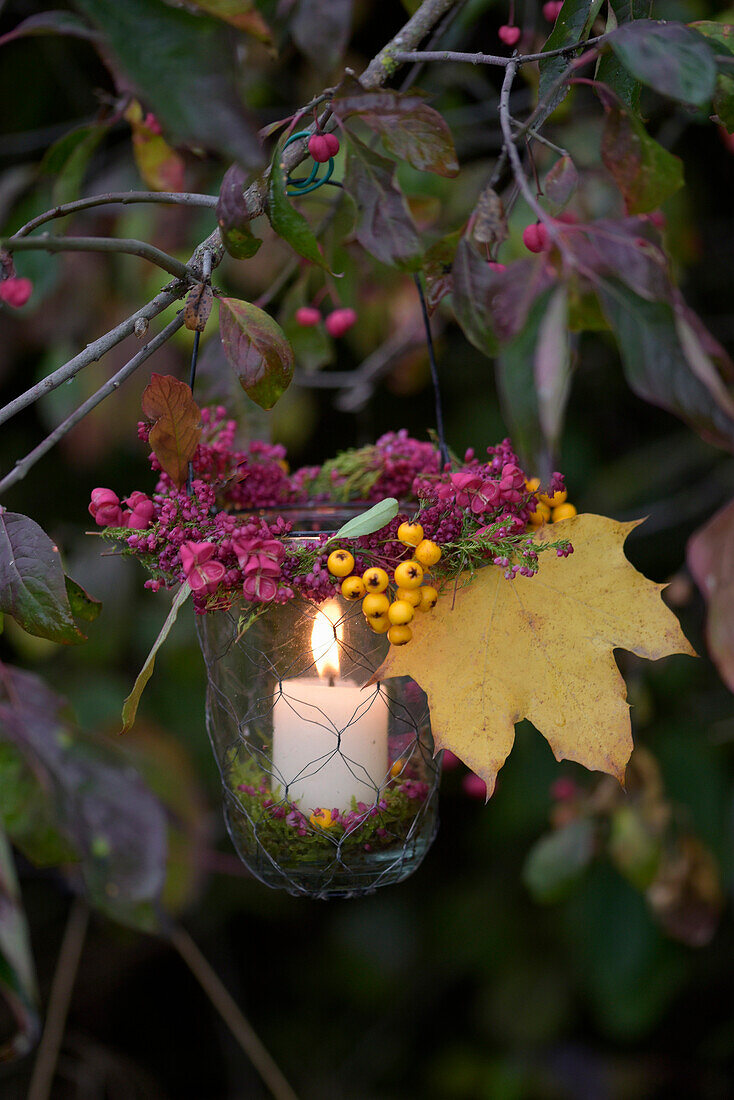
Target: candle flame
(325,638)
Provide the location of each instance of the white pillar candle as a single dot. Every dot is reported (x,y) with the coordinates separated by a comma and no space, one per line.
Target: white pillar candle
(329,735)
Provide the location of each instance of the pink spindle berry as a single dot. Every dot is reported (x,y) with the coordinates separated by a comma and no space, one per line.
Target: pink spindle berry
(203,574)
(552,10)
(142,510)
(564,789)
(340,321)
(105,508)
(450,761)
(509,35)
(16,292)
(474,787)
(497,267)
(535,237)
(322,147)
(658,219)
(307,316)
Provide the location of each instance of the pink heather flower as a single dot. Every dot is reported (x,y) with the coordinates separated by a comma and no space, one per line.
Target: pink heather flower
(142,510)
(203,574)
(105,508)
(340,321)
(473,786)
(16,292)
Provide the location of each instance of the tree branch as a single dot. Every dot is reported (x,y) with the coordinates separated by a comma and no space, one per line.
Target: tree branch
(47,243)
(23,465)
(174,198)
(517,169)
(386,64)
(491,59)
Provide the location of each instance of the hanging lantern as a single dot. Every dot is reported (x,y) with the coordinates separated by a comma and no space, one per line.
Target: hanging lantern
(330,784)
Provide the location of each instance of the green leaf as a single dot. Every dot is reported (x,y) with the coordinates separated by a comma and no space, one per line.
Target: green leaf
(183,67)
(83,606)
(632,847)
(675,61)
(321,30)
(115,827)
(384,226)
(723,35)
(657,367)
(609,69)
(241,14)
(257,349)
(557,861)
(286,221)
(17,972)
(32,584)
(233,216)
(645,172)
(27,813)
(130,706)
(574,18)
(552,367)
(374,519)
(68,159)
(437,264)
(409,128)
(515,369)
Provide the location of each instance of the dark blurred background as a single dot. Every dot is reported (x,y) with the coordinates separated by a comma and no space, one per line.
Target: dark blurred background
(457,984)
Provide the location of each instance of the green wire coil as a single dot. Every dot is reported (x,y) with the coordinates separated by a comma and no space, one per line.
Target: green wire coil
(311,182)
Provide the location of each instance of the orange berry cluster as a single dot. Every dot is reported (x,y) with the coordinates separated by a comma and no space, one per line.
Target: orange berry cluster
(548,509)
(391,614)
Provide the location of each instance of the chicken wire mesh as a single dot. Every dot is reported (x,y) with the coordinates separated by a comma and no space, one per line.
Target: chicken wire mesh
(330,783)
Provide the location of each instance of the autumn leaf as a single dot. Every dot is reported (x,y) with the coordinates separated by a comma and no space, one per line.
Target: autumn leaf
(497,651)
(160,166)
(199,301)
(257,349)
(175,434)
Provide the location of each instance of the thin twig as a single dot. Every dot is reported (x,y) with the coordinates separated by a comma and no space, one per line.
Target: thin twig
(46,243)
(517,169)
(490,58)
(94,351)
(172,198)
(232,1015)
(62,988)
(445,457)
(23,465)
(537,136)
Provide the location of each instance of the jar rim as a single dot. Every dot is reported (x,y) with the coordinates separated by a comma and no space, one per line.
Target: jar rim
(311,520)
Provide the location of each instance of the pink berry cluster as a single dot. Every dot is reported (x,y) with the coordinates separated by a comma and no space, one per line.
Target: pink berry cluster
(215,537)
(337,323)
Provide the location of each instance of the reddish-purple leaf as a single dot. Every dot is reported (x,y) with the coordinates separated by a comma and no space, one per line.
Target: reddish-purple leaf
(645,172)
(234,216)
(258,350)
(32,585)
(176,430)
(710,557)
(437,264)
(384,226)
(409,128)
(561,182)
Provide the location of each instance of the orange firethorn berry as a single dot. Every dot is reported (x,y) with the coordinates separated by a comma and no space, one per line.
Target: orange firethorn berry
(400,613)
(409,574)
(429,597)
(532,484)
(375,579)
(410,533)
(375,604)
(554,501)
(411,595)
(321,819)
(353,588)
(563,511)
(397,768)
(380,624)
(541,515)
(340,563)
(428,553)
(399,635)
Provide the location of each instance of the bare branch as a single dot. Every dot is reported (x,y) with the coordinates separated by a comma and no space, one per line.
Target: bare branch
(385,64)
(490,58)
(173,198)
(23,465)
(47,243)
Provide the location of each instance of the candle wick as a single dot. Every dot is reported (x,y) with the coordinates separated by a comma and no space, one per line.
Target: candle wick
(331,681)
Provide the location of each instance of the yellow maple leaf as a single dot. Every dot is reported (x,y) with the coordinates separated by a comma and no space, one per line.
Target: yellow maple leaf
(494,651)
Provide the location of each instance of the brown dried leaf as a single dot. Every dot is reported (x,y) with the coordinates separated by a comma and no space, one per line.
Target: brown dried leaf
(176,430)
(489,225)
(198,306)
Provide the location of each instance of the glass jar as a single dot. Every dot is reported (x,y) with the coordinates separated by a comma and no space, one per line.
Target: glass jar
(330,783)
